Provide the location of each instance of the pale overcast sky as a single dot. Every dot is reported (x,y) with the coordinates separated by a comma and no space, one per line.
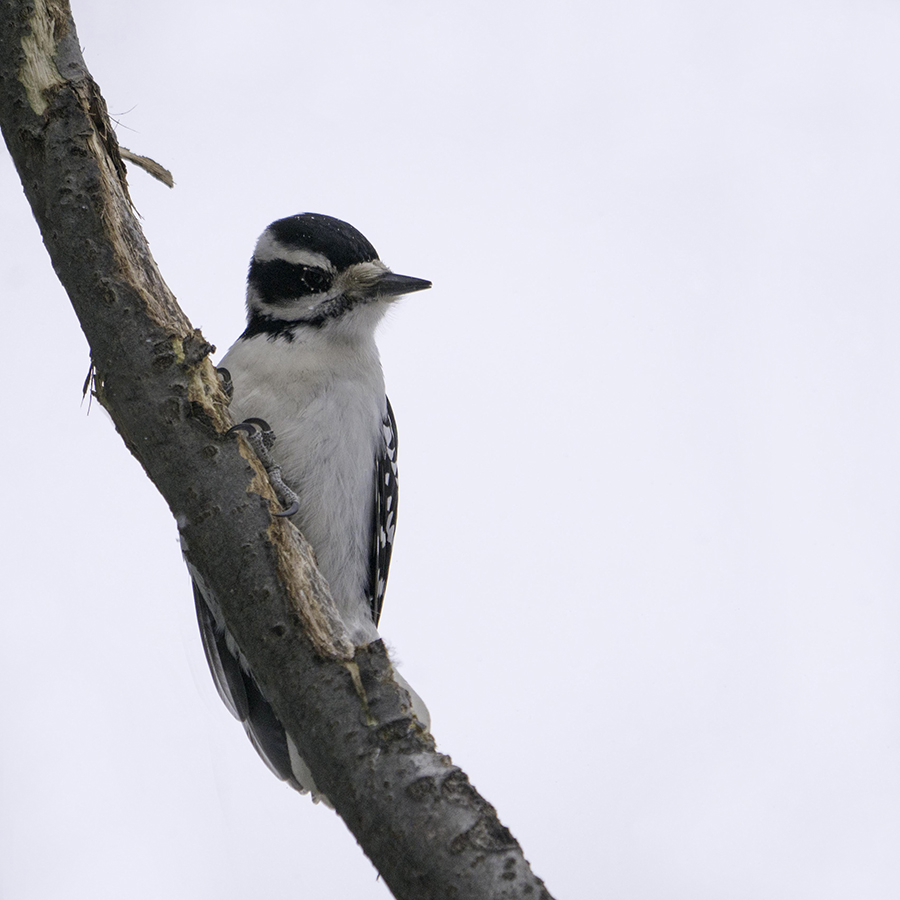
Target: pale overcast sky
(647,564)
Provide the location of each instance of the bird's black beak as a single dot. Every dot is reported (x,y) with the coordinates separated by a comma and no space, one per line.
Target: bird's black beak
(393,285)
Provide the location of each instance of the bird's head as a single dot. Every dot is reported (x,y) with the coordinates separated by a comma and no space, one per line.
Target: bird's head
(316,271)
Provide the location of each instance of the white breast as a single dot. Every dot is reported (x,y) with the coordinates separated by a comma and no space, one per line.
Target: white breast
(325,402)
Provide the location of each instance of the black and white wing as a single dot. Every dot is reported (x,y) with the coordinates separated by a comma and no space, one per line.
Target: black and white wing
(241,694)
(385,513)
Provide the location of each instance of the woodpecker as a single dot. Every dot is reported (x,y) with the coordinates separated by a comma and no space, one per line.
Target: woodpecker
(307,365)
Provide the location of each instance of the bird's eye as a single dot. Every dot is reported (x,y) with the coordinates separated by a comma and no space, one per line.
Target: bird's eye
(278,282)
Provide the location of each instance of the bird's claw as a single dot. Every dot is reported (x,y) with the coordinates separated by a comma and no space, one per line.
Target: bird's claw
(227,383)
(262,438)
(243,426)
(293,509)
(258,431)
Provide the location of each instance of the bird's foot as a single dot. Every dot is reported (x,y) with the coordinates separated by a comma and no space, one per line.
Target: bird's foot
(262,438)
(227,383)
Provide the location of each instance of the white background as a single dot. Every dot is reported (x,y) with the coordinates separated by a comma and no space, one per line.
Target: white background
(647,566)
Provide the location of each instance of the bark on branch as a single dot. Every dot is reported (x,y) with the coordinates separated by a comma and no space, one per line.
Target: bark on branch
(426,829)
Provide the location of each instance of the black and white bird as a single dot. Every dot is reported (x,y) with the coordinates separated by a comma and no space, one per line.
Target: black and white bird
(307,365)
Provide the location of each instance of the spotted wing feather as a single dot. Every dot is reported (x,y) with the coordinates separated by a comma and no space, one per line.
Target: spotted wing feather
(385,513)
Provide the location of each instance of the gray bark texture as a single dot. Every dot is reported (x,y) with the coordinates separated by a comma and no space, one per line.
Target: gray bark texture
(415,814)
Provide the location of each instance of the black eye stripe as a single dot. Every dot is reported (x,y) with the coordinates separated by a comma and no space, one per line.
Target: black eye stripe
(277,281)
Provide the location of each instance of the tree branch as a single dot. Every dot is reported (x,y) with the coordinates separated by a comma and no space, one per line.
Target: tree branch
(426,829)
